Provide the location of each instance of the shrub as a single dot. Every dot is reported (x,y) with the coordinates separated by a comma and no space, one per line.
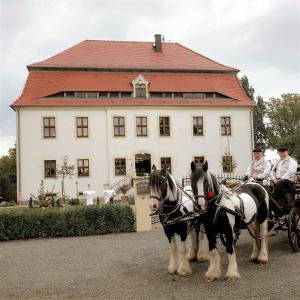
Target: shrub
(25,223)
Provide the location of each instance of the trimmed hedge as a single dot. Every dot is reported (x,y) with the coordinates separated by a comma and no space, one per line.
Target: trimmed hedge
(26,223)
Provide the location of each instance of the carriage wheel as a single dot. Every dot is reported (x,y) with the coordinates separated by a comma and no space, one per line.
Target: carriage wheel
(294,228)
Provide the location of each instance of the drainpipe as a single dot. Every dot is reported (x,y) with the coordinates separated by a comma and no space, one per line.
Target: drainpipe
(251,131)
(18,152)
(107,148)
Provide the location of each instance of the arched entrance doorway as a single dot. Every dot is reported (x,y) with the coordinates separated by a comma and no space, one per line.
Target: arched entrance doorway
(142,164)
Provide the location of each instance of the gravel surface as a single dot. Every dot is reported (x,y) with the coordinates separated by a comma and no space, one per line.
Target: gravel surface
(134,266)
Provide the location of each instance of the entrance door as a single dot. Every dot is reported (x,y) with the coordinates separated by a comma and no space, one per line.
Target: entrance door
(142,164)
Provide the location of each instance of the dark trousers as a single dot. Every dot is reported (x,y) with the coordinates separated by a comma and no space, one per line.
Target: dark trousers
(283,186)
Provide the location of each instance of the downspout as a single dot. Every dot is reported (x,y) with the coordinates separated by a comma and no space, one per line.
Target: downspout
(107,148)
(251,131)
(18,149)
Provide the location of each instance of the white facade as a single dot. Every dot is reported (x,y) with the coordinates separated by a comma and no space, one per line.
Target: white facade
(101,147)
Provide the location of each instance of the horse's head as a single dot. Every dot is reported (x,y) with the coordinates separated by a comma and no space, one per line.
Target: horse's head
(204,184)
(162,188)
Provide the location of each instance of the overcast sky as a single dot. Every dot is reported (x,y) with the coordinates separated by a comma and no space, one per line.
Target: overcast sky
(259,37)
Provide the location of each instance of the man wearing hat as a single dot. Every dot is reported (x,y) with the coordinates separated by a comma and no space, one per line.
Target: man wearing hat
(260,167)
(284,172)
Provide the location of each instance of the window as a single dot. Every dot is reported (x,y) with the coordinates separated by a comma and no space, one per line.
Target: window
(227,164)
(119,126)
(178,95)
(141,126)
(83,167)
(49,127)
(199,161)
(103,95)
(69,94)
(50,168)
(114,94)
(80,94)
(166,161)
(198,125)
(140,90)
(164,126)
(82,126)
(168,95)
(156,95)
(92,94)
(225,126)
(120,166)
(125,94)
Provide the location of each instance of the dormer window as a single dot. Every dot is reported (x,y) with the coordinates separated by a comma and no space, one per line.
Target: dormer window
(140,87)
(140,91)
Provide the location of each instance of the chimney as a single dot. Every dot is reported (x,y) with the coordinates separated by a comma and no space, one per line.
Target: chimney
(157,45)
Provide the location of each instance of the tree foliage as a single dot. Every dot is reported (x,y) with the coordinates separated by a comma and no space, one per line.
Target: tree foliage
(8,175)
(65,171)
(259,112)
(284,123)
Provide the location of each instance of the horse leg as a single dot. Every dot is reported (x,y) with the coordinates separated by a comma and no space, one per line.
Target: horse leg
(232,273)
(173,256)
(255,242)
(263,253)
(214,270)
(192,245)
(184,267)
(202,254)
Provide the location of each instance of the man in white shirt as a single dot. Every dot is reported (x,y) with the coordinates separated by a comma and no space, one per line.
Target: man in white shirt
(284,173)
(259,168)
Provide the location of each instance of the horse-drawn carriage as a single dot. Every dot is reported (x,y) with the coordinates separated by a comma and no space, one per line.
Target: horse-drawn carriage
(284,212)
(215,209)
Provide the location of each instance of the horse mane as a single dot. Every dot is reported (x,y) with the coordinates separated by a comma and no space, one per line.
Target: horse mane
(213,182)
(155,180)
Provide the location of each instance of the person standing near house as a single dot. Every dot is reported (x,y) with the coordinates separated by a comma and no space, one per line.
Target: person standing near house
(259,168)
(284,173)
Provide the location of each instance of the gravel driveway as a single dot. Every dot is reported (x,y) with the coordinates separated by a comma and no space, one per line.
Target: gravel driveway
(134,266)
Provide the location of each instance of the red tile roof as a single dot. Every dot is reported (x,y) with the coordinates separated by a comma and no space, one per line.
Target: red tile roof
(131,55)
(42,84)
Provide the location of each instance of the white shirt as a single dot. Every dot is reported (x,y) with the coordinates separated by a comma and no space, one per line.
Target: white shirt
(89,197)
(285,169)
(260,168)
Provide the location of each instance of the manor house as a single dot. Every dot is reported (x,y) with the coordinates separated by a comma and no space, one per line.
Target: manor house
(117,107)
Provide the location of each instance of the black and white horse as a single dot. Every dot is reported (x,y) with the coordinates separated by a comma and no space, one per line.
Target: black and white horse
(223,208)
(170,202)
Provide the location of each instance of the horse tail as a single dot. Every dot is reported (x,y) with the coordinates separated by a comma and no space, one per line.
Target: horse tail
(262,202)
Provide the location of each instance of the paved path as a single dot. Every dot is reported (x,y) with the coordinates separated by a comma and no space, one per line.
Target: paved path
(133,266)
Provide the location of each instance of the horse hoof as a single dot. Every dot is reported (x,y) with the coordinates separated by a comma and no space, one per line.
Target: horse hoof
(232,278)
(184,272)
(262,261)
(191,258)
(209,279)
(253,259)
(171,270)
(202,259)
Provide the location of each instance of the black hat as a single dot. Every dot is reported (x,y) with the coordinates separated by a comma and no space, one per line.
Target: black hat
(258,149)
(282,148)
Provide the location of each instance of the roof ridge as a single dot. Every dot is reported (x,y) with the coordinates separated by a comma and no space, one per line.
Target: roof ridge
(206,57)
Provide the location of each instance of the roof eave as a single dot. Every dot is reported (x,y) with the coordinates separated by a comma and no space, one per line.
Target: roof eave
(135,70)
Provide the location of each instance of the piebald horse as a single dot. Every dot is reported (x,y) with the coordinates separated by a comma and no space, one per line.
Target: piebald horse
(224,210)
(171,203)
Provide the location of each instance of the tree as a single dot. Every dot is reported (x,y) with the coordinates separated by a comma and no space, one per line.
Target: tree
(249,90)
(65,171)
(284,124)
(8,175)
(259,111)
(259,126)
